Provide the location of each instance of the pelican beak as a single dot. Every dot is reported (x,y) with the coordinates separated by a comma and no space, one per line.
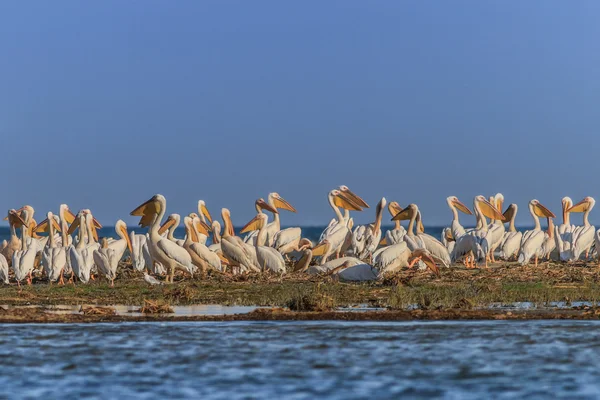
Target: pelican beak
(403,215)
(126,235)
(223,259)
(97,224)
(490,211)
(321,249)
(205,212)
(94,232)
(460,206)
(55,225)
(42,226)
(74,225)
(149,207)
(266,206)
(284,205)
(255,224)
(355,198)
(394,208)
(431,264)
(346,202)
(167,225)
(509,213)
(69,216)
(383,242)
(201,226)
(582,206)
(542,211)
(421,227)
(192,231)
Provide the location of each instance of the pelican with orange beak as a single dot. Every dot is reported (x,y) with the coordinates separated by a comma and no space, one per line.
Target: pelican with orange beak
(366,238)
(583,236)
(396,235)
(54,257)
(166,252)
(564,232)
(455,206)
(336,234)
(483,209)
(531,244)
(239,255)
(269,259)
(15,222)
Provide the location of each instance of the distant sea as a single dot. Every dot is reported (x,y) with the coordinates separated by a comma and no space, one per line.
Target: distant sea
(311,232)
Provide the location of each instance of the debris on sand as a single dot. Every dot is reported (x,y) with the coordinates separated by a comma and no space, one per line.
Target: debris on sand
(97,310)
(153,307)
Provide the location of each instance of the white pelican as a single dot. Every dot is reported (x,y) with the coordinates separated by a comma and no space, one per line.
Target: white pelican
(564,231)
(269,259)
(397,256)
(137,254)
(3,270)
(456,205)
(496,228)
(511,243)
(531,244)
(447,239)
(276,202)
(204,216)
(203,258)
(24,259)
(358,204)
(305,247)
(549,243)
(365,238)
(422,240)
(238,253)
(54,257)
(583,236)
(169,226)
(336,234)
(120,245)
(483,208)
(215,246)
(82,254)
(15,222)
(396,235)
(166,252)
(324,247)
(107,261)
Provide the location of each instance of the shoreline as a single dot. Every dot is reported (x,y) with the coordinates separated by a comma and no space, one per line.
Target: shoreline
(459,294)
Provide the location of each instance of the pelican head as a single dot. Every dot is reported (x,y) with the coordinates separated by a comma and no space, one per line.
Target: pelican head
(322,248)
(584,205)
(150,209)
(256,223)
(406,213)
(280,202)
(454,202)
(340,199)
(172,221)
(540,210)
(425,256)
(203,210)
(261,204)
(357,199)
(488,209)
(121,227)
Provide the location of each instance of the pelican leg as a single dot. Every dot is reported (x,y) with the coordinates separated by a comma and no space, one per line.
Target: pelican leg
(112,282)
(61,280)
(92,277)
(172,274)
(536,260)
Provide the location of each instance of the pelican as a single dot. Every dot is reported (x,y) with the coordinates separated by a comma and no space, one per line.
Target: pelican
(120,245)
(170,225)
(531,244)
(268,258)
(54,257)
(305,247)
(421,240)
(324,247)
(137,254)
(397,256)
(358,204)
(396,235)
(82,254)
(15,222)
(336,234)
(107,260)
(238,253)
(583,236)
(215,247)
(456,205)
(511,243)
(549,243)
(23,260)
(496,228)
(483,208)
(202,257)
(564,231)
(204,216)
(259,205)
(365,238)
(447,239)
(3,270)
(167,253)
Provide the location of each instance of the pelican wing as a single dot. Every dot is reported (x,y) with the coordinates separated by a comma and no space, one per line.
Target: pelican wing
(176,253)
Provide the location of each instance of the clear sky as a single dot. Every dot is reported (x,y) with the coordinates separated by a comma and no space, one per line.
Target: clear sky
(103,104)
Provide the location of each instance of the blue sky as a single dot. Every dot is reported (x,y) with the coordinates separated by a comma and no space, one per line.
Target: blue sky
(105,103)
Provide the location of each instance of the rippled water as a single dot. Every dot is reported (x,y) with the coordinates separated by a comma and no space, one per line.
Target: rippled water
(500,359)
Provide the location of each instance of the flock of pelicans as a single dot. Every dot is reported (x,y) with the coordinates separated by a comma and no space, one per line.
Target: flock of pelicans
(353,253)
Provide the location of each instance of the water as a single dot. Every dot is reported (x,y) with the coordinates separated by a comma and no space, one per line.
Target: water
(302,360)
